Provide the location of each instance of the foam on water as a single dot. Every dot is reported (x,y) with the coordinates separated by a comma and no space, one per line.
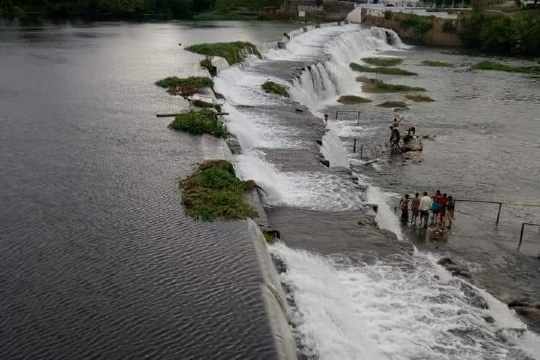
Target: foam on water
(395,309)
(309,190)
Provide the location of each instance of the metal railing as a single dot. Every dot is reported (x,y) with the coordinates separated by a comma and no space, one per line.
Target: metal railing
(523,231)
(486,202)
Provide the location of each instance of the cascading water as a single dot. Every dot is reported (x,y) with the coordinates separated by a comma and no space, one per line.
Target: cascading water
(407,307)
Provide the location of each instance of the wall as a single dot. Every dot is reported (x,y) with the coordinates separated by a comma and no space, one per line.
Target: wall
(436,36)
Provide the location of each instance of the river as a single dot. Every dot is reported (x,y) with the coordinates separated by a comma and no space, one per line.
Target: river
(98,259)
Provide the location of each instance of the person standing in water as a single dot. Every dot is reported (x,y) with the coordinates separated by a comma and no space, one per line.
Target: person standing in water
(425,206)
(450,207)
(415,208)
(404,206)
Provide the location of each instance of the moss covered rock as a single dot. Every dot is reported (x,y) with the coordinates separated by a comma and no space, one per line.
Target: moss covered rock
(379,86)
(271,87)
(214,191)
(393,104)
(381,70)
(382,61)
(233,52)
(200,122)
(418,98)
(435,63)
(491,65)
(352,99)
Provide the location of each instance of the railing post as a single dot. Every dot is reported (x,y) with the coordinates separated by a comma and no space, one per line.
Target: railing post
(499,213)
(521,236)
(354,146)
(362,152)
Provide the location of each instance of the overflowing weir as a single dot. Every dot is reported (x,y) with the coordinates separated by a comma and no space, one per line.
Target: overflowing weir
(368,296)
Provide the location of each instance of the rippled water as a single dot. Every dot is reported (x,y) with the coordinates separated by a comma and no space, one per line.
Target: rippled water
(97,259)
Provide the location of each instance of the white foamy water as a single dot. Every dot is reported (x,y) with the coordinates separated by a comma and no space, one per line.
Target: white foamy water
(314,191)
(402,309)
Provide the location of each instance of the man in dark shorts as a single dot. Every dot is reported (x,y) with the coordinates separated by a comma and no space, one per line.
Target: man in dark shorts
(404,206)
(436,206)
(415,208)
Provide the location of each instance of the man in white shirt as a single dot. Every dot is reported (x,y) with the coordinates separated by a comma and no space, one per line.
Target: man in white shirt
(425,205)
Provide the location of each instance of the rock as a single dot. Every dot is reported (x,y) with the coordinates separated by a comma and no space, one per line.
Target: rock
(473,297)
(234,145)
(446,261)
(325,163)
(319,142)
(489,319)
(299,110)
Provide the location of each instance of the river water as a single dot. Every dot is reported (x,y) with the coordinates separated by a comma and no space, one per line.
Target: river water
(98,259)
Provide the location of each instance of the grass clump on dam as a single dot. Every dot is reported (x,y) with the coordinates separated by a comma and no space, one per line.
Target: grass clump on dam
(379,86)
(215,192)
(381,70)
(435,63)
(491,65)
(382,61)
(233,52)
(352,100)
(271,87)
(418,98)
(200,122)
(185,86)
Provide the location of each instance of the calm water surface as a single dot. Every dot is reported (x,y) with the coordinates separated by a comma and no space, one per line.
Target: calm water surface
(97,259)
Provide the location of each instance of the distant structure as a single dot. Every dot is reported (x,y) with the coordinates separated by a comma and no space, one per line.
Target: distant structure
(318,10)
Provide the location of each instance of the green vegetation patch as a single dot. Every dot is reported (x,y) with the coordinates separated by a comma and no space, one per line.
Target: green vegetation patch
(379,86)
(214,192)
(233,52)
(393,104)
(491,65)
(419,24)
(502,34)
(382,61)
(418,98)
(200,122)
(185,86)
(435,63)
(381,70)
(271,87)
(351,100)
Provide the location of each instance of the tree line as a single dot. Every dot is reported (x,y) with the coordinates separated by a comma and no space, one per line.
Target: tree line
(172,9)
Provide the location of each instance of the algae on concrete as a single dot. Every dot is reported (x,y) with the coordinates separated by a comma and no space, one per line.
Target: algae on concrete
(436,63)
(418,98)
(491,65)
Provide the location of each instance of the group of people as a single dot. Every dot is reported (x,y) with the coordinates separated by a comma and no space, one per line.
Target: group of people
(395,135)
(439,208)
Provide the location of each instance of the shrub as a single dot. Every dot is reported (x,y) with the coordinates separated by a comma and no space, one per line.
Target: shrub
(502,34)
(233,52)
(214,191)
(388,15)
(271,87)
(449,26)
(380,70)
(419,24)
(185,86)
(382,61)
(200,122)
